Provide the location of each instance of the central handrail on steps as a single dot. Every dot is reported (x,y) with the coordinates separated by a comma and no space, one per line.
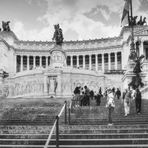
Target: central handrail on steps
(69,112)
(56,125)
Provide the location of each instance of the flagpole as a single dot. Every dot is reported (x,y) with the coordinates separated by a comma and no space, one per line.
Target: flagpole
(132,26)
(132,49)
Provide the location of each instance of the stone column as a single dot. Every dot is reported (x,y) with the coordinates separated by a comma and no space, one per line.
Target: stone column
(96,58)
(46,62)
(115,60)
(71,59)
(103,62)
(45,85)
(28,63)
(77,61)
(34,62)
(21,62)
(90,62)
(109,61)
(83,61)
(142,48)
(40,61)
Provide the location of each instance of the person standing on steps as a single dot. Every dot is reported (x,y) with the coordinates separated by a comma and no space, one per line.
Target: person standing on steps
(138,101)
(127,100)
(87,95)
(110,105)
(118,93)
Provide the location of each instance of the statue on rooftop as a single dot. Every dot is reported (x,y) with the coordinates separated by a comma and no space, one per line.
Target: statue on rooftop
(144,21)
(58,35)
(5,26)
(133,21)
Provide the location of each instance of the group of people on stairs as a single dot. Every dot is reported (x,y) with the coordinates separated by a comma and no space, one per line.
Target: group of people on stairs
(128,95)
(84,96)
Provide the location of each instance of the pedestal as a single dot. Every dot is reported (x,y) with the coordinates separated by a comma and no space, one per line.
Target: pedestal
(127,78)
(58,57)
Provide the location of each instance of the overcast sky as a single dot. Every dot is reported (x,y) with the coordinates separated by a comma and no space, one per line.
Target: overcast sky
(79,19)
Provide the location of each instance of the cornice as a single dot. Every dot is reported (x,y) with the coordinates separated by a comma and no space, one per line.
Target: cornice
(67,45)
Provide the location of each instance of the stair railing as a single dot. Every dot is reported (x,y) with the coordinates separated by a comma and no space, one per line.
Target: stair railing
(56,126)
(69,112)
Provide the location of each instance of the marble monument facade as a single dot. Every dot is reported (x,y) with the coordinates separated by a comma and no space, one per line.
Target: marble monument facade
(97,63)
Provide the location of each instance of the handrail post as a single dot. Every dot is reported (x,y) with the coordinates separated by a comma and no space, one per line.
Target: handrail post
(69,110)
(65,112)
(57,132)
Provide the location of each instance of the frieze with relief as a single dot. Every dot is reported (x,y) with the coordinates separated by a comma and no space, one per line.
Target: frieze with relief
(35,86)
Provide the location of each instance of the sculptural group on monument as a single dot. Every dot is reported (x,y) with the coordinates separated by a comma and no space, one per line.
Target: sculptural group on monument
(58,35)
(133,21)
(5,26)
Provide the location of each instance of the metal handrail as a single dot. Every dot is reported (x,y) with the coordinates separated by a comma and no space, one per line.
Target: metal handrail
(51,132)
(69,112)
(56,125)
(62,110)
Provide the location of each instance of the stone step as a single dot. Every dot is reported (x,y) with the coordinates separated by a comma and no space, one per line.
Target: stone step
(105,122)
(74,136)
(22,146)
(102,146)
(105,131)
(103,136)
(28,122)
(78,146)
(131,116)
(121,141)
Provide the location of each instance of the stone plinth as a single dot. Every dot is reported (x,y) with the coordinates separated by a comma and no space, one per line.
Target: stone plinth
(58,57)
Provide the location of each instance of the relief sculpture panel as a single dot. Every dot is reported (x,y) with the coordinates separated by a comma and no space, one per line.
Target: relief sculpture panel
(22,88)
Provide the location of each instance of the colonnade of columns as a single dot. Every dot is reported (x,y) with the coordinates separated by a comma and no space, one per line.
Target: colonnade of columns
(107,61)
(31,62)
(96,62)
